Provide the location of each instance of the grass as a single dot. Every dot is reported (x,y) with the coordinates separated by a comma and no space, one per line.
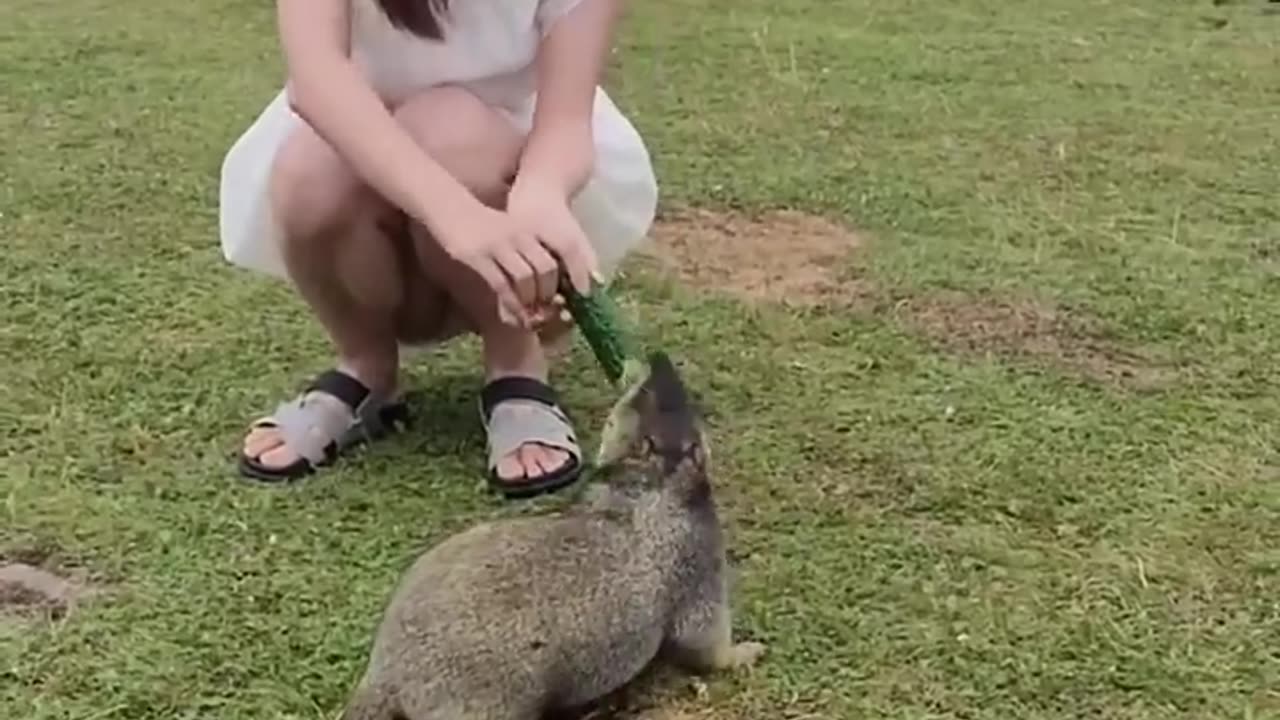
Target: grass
(919,533)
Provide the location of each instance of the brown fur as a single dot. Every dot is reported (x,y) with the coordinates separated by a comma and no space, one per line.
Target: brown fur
(513,619)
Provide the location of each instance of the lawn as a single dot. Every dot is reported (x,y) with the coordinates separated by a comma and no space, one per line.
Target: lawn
(1019,461)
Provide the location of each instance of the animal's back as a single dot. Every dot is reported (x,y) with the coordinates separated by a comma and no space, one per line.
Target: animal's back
(508,620)
(550,611)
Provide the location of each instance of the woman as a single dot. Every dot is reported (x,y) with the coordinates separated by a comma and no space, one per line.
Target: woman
(431,168)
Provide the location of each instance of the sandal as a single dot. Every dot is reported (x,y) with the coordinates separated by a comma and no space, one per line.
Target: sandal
(517,411)
(320,431)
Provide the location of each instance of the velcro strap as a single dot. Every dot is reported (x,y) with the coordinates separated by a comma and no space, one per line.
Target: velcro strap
(515,388)
(312,424)
(349,390)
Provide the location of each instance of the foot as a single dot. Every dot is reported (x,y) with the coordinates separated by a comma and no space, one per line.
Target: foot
(335,412)
(707,659)
(742,655)
(532,446)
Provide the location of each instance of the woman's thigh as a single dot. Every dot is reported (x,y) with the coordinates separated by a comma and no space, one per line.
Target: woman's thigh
(481,149)
(474,142)
(339,232)
(315,192)
(330,215)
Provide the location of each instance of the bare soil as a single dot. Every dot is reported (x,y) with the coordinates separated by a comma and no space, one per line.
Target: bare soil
(797,259)
(1025,328)
(34,582)
(785,257)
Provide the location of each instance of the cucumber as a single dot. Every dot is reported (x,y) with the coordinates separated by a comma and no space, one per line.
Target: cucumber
(599,320)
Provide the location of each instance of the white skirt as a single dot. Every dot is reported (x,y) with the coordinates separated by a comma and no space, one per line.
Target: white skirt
(616,207)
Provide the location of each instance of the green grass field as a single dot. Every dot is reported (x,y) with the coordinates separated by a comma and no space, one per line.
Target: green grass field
(926,524)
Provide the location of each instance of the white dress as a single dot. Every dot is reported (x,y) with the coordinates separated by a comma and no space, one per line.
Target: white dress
(488,48)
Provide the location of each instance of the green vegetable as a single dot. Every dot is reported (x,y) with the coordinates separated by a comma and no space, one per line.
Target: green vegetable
(599,320)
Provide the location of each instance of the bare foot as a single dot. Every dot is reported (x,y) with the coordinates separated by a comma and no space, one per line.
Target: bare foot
(520,353)
(321,416)
(266,443)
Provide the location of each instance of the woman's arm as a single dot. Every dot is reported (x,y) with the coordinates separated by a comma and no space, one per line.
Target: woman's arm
(560,151)
(328,91)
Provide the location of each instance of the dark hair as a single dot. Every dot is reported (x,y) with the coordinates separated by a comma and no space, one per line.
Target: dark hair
(420,17)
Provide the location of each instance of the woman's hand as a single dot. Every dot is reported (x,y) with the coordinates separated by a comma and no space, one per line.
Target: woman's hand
(508,255)
(543,211)
(522,251)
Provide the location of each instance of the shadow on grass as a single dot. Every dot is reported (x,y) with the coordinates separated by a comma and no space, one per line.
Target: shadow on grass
(446,415)
(652,695)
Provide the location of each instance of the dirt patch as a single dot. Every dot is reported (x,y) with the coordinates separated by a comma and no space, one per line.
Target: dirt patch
(662,710)
(30,590)
(42,554)
(661,692)
(1024,328)
(37,580)
(677,713)
(785,256)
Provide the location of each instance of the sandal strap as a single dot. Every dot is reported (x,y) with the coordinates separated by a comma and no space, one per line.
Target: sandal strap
(338,384)
(317,427)
(516,388)
(518,411)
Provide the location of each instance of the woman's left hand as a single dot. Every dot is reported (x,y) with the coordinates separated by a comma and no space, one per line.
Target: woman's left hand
(543,212)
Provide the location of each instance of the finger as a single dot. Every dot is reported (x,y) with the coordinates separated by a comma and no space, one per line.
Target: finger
(520,275)
(546,269)
(510,310)
(576,267)
(578,257)
(541,315)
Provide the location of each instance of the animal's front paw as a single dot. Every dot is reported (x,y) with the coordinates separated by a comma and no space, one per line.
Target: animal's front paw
(745,654)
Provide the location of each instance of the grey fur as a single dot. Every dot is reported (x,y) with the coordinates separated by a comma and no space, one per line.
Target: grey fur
(513,619)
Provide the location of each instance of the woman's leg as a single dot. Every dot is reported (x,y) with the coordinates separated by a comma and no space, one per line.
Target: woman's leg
(346,267)
(343,252)
(480,148)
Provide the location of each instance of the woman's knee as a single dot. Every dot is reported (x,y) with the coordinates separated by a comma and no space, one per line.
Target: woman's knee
(314,192)
(474,142)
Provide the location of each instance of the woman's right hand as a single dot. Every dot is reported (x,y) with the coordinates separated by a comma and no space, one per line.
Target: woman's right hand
(521,271)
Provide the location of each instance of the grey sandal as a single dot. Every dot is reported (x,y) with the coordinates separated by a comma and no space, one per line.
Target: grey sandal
(517,411)
(319,431)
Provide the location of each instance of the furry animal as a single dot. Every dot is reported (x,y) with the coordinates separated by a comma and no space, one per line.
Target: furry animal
(515,619)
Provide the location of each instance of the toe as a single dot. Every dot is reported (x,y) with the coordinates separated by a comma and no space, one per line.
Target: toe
(552,459)
(260,440)
(277,457)
(536,463)
(511,469)
(266,446)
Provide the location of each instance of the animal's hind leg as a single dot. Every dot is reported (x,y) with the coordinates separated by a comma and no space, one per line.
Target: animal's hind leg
(702,639)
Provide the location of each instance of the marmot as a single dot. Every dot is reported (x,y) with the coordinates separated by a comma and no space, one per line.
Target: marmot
(514,619)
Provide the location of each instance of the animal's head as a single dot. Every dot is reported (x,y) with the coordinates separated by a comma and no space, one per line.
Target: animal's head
(656,429)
